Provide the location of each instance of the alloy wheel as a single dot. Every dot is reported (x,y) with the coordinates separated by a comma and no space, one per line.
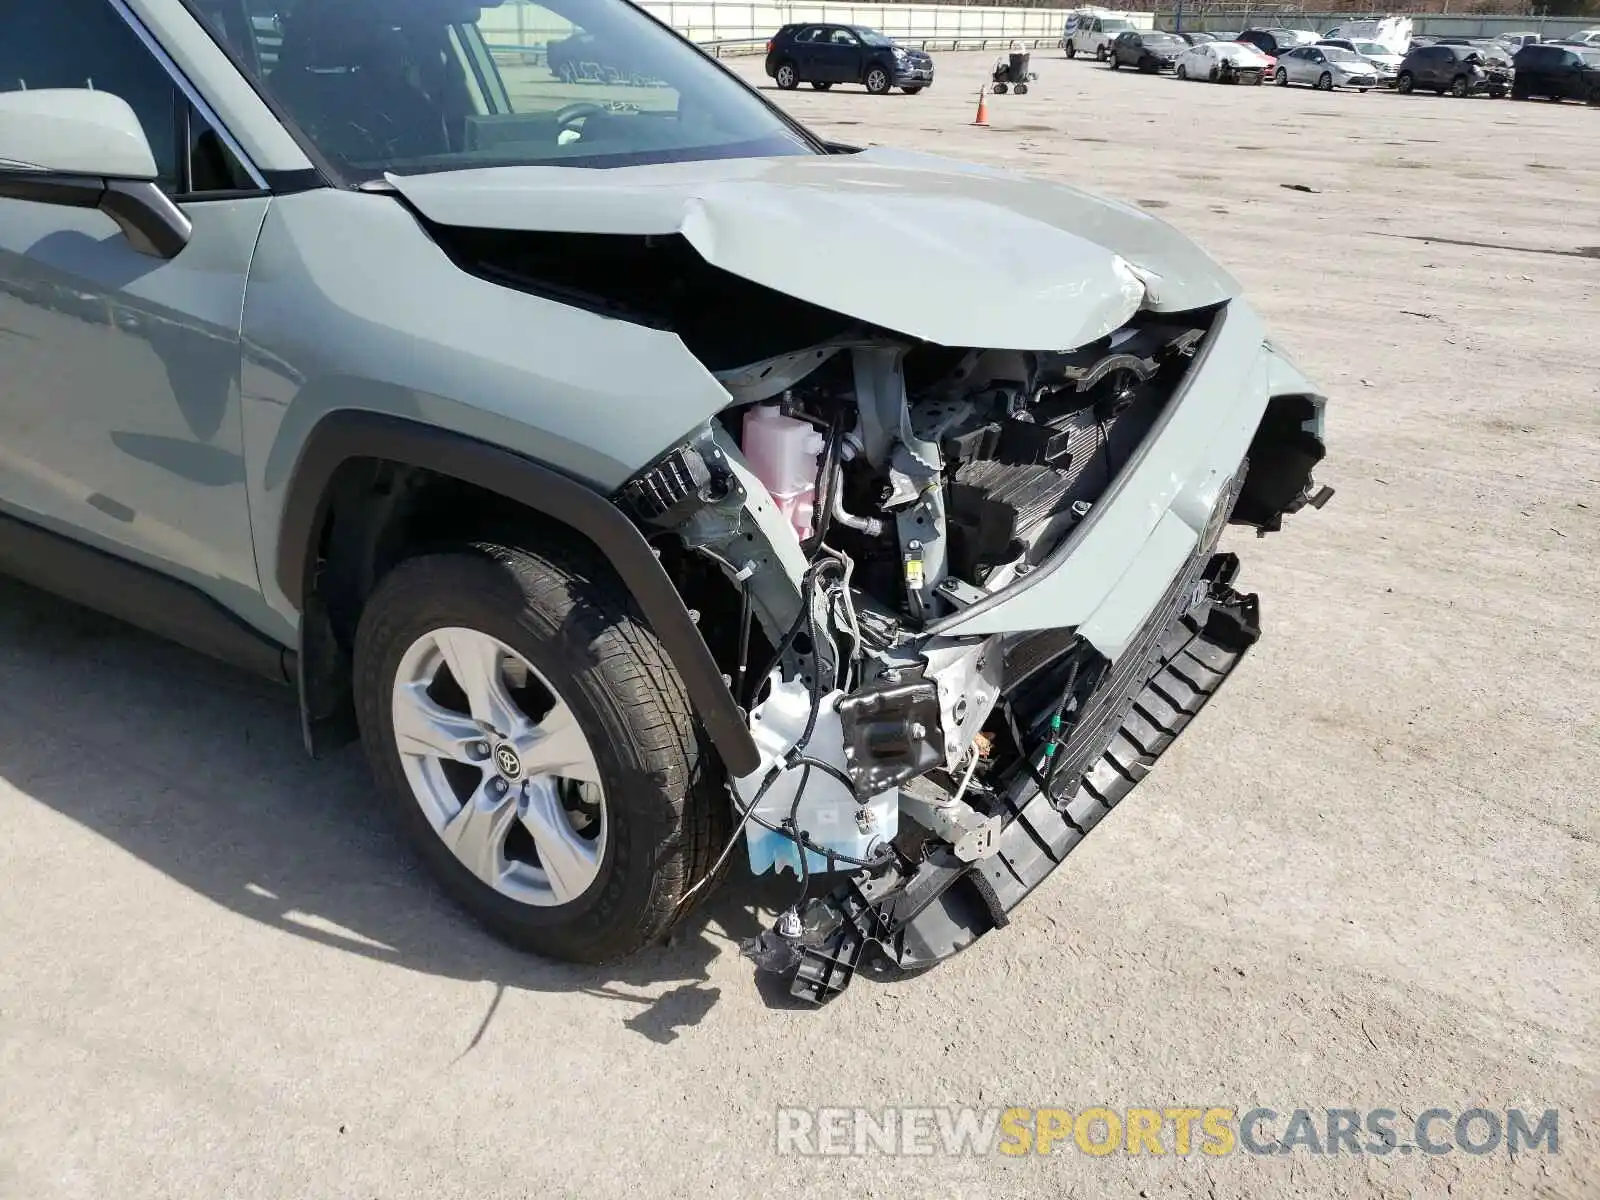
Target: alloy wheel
(500,767)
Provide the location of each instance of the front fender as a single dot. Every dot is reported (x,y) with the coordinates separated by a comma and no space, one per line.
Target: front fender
(342,436)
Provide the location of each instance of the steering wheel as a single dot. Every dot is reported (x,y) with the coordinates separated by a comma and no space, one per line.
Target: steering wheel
(573,113)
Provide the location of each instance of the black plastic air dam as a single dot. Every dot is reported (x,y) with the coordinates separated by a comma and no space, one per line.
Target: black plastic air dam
(945,905)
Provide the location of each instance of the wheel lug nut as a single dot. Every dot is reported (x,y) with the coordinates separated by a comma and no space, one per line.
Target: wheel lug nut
(480,749)
(498,787)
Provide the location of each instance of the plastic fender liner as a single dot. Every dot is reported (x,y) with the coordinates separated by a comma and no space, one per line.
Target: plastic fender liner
(342,436)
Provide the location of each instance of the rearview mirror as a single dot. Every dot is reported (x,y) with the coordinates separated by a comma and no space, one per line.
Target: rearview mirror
(74,131)
(81,148)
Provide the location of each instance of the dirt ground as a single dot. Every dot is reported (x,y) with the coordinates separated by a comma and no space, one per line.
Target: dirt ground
(1369,876)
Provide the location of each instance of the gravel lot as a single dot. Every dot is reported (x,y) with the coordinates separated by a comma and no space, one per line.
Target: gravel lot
(1368,877)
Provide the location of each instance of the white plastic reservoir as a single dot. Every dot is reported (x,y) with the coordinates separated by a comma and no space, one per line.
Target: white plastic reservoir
(829,813)
(783,454)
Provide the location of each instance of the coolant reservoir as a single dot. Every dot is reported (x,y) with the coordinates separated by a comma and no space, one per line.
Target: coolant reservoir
(783,453)
(829,813)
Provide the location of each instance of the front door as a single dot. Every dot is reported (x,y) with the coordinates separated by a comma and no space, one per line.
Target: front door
(841,57)
(1433,63)
(119,370)
(806,56)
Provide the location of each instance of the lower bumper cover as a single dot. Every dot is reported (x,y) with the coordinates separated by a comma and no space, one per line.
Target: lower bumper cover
(944,904)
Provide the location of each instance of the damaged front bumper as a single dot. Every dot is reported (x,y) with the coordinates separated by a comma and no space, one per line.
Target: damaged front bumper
(915,914)
(981,728)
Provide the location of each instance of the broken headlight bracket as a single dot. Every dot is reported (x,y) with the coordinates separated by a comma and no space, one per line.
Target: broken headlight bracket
(892,732)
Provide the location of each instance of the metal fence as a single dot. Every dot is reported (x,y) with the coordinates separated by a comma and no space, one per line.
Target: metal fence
(735,26)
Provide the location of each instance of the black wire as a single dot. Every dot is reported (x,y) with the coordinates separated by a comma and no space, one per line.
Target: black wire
(1056,732)
(744,640)
(796,757)
(831,855)
(822,499)
(1022,749)
(800,619)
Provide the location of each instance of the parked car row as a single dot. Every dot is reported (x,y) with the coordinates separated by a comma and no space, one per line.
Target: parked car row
(1367,55)
(1362,55)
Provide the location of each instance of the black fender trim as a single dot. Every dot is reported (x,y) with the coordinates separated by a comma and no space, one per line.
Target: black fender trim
(342,436)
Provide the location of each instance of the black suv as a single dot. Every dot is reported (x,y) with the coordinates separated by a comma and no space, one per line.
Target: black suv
(1147,50)
(1459,70)
(823,55)
(1559,72)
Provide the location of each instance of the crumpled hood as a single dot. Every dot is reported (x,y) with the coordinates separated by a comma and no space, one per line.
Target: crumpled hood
(944,251)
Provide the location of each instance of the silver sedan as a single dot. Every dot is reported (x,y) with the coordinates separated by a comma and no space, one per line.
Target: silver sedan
(1325,68)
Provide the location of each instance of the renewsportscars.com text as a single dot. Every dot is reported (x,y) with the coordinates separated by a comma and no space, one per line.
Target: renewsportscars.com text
(1176,1129)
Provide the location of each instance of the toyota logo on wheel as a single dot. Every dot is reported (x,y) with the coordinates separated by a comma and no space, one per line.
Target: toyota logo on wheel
(508,761)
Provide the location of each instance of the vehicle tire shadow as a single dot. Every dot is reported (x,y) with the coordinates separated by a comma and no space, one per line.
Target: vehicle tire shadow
(198,771)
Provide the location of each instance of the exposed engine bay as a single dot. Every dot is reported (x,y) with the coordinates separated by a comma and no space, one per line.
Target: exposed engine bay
(857,492)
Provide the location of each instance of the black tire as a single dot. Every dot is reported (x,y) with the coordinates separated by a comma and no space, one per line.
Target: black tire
(1282,77)
(1497,93)
(1022,89)
(1594,97)
(999,89)
(1325,82)
(1213,75)
(917,87)
(1519,92)
(1072,51)
(1113,62)
(878,81)
(1405,84)
(820,86)
(1100,53)
(568,616)
(1459,88)
(787,75)
(1182,72)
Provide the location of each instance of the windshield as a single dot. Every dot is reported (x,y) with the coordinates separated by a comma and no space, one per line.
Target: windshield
(872,37)
(1371,48)
(1340,54)
(1115,26)
(1161,39)
(415,86)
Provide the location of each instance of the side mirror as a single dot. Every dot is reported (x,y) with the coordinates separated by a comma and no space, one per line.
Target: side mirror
(86,149)
(74,131)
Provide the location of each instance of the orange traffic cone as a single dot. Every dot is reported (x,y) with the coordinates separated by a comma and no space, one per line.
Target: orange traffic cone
(983,109)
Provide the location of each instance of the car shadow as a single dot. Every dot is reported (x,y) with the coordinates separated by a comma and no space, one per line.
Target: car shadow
(847,89)
(199,772)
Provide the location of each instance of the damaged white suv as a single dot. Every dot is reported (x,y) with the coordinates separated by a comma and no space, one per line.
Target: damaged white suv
(526,427)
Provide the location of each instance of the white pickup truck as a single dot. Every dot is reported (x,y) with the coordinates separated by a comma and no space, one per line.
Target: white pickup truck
(1091,32)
